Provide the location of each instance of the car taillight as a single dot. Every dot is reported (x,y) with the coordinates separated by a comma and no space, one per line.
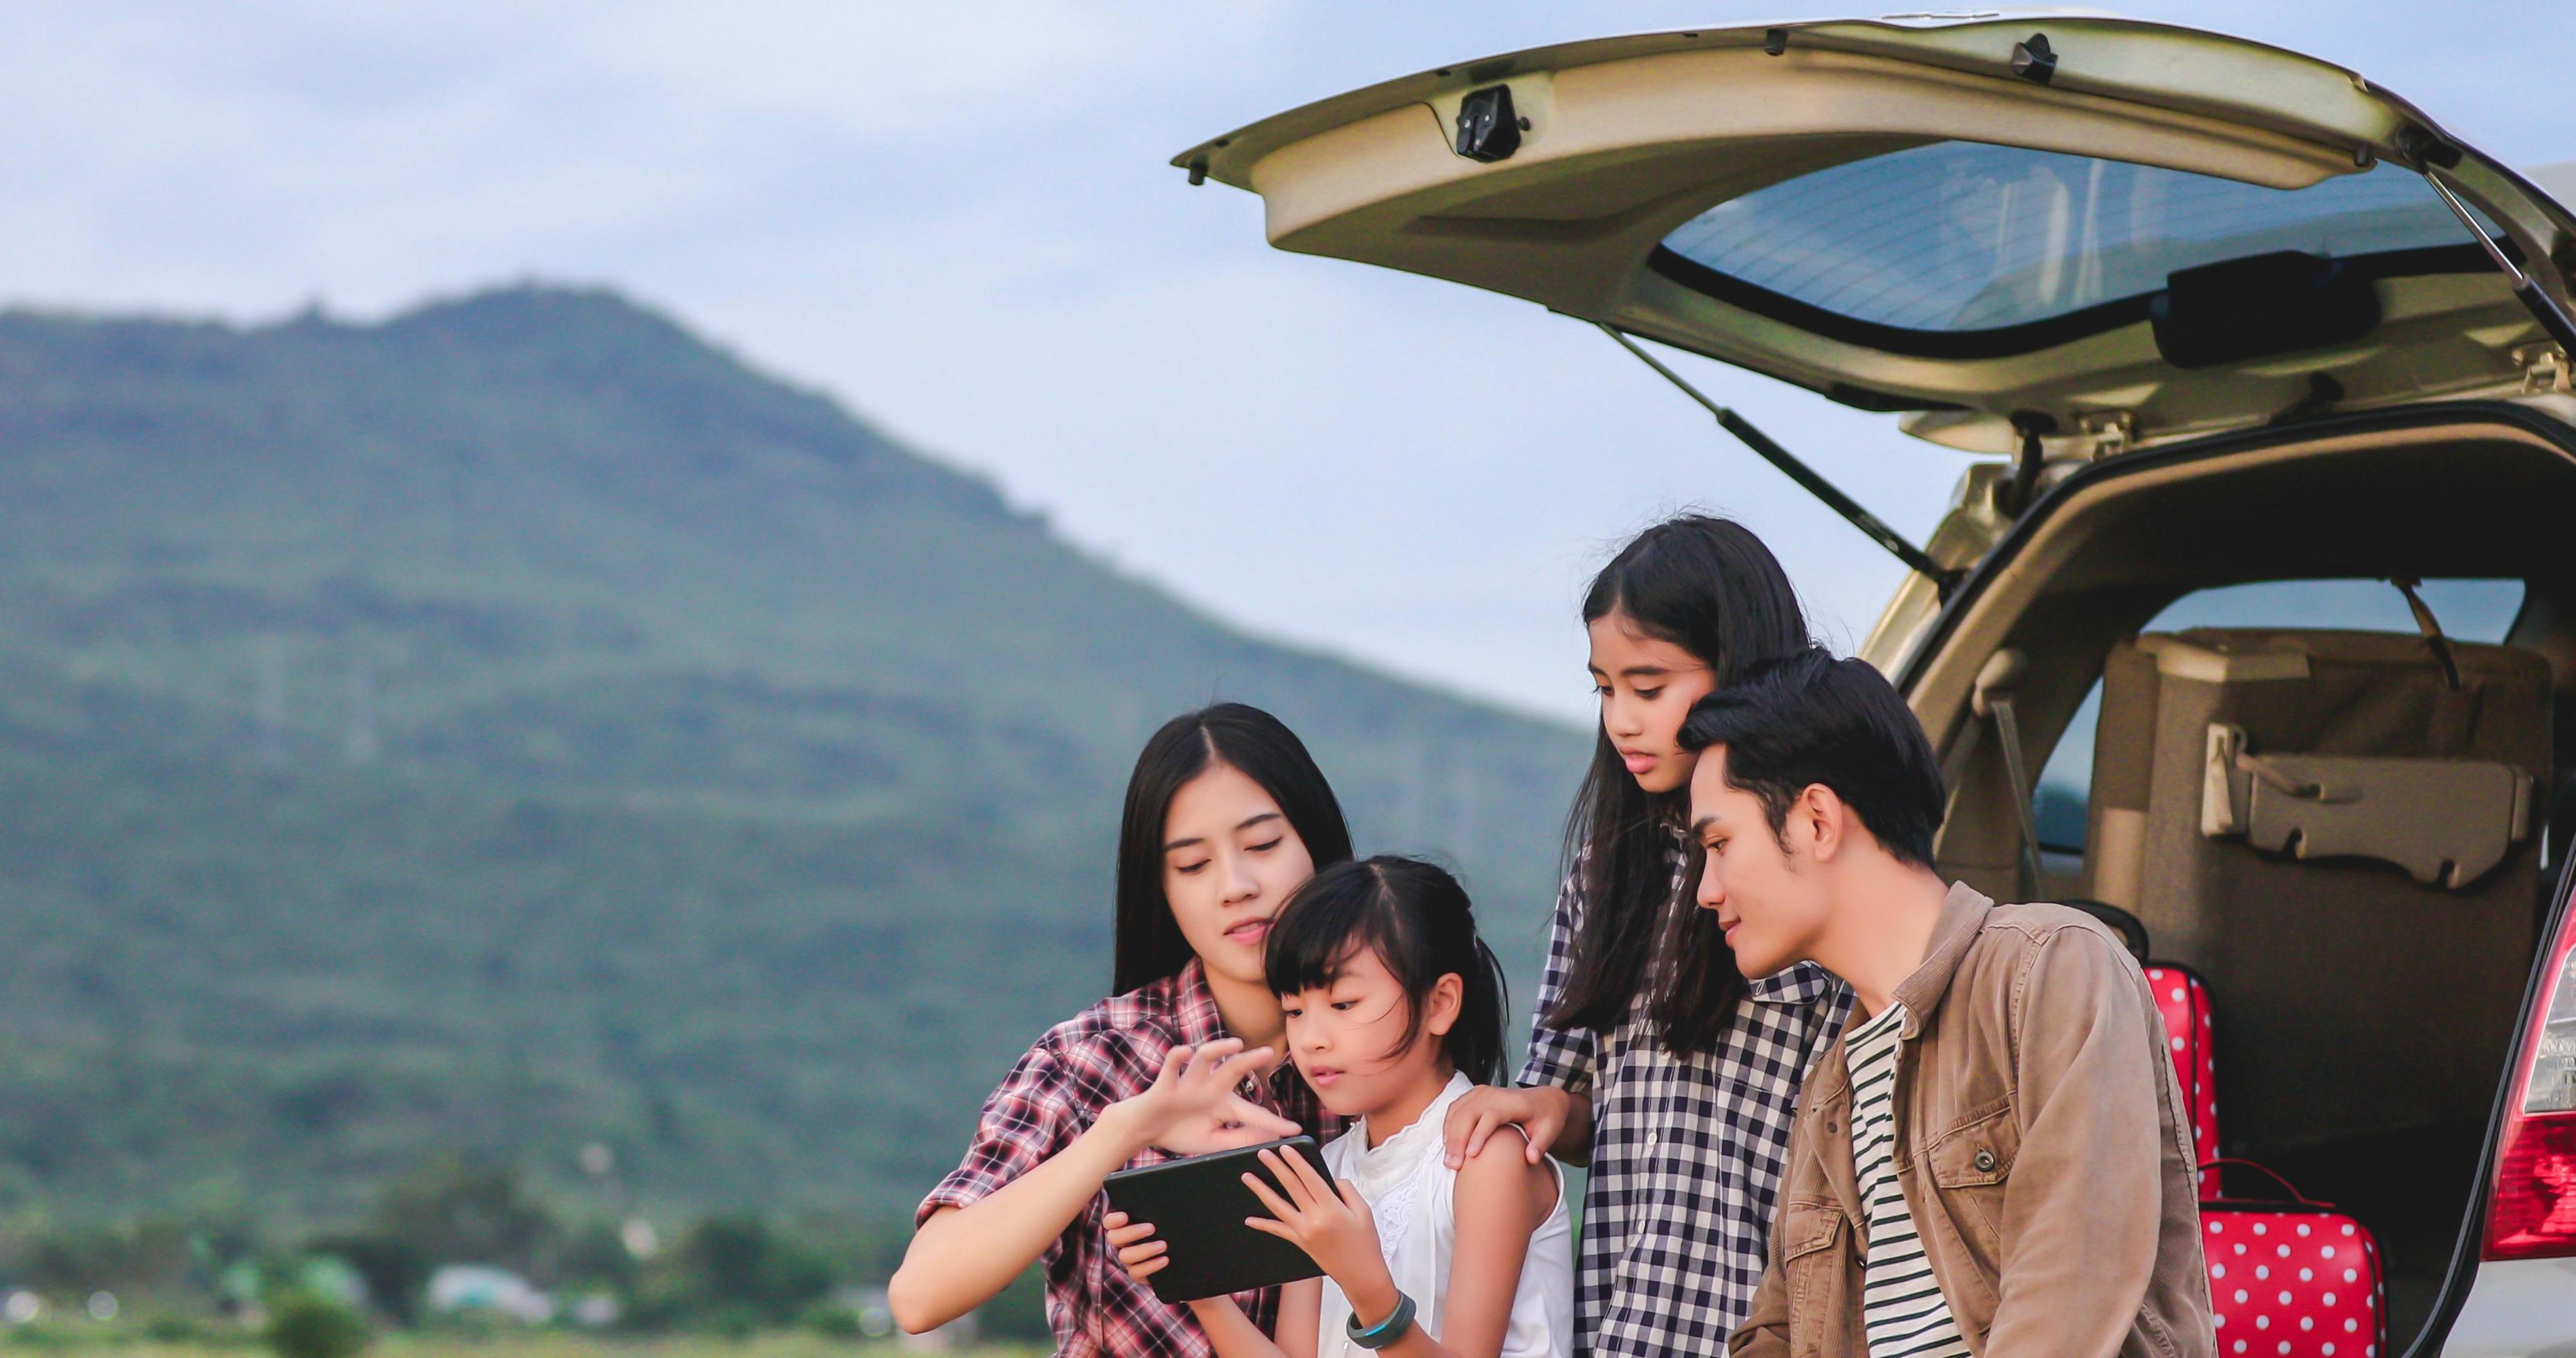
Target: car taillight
(2534,1211)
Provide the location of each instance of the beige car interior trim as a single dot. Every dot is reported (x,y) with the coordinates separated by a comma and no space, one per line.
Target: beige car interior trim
(2443,335)
(1627,138)
(1319,193)
(1941,691)
(2229,665)
(2136,62)
(2446,821)
(2118,858)
(1974,525)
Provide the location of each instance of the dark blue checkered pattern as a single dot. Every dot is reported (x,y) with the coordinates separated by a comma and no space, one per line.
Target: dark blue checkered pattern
(1687,1152)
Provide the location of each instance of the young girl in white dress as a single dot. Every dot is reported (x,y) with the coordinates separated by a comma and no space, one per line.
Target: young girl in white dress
(1394,1009)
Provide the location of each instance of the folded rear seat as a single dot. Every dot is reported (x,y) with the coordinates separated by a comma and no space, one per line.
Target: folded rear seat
(2338,840)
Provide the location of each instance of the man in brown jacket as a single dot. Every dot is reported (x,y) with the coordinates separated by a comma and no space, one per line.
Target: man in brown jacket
(1993,1159)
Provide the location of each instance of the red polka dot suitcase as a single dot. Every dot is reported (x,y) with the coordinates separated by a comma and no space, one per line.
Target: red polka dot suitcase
(2184,1002)
(2290,1278)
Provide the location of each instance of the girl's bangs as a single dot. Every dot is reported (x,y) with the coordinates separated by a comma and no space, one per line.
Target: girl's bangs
(1323,925)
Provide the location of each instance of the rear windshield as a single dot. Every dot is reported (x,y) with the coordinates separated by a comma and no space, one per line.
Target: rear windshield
(1959,238)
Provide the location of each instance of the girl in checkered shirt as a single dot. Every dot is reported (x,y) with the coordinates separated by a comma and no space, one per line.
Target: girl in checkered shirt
(1653,1060)
(1226,815)
(1395,1011)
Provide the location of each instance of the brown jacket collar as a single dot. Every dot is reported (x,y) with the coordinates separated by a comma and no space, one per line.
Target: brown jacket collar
(1963,914)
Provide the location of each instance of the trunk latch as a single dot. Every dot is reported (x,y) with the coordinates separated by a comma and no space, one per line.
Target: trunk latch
(2111,431)
(2544,369)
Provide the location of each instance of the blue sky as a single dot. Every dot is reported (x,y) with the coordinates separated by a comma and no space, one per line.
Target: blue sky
(956,218)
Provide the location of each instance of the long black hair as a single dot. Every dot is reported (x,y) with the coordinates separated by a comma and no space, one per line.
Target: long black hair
(1709,586)
(1252,742)
(1417,919)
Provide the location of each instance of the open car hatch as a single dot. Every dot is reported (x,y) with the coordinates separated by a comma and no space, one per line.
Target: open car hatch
(2097,231)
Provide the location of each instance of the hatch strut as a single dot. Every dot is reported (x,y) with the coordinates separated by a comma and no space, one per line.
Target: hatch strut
(1942,577)
(2543,307)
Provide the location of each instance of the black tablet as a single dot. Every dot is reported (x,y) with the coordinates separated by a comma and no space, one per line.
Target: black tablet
(1198,1206)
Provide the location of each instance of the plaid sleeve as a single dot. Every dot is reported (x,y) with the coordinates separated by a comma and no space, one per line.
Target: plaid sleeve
(1559,1056)
(1026,1120)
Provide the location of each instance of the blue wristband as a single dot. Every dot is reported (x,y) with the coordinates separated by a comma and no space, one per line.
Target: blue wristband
(1386,1331)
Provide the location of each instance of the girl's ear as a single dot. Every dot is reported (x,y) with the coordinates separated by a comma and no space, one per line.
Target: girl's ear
(1440,1008)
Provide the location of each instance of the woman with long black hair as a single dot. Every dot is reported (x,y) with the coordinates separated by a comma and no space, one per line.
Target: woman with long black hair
(1652,1059)
(1226,816)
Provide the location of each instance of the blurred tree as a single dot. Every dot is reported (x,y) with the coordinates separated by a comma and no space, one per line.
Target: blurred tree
(308,1324)
(736,1270)
(145,1256)
(833,1321)
(596,1256)
(394,1269)
(460,1210)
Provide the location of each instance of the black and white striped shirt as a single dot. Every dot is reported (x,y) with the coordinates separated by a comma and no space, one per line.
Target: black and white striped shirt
(1902,1309)
(1687,1151)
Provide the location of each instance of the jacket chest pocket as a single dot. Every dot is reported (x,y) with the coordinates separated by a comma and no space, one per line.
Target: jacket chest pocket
(1970,1164)
(1979,1150)
(1818,1258)
(1807,1226)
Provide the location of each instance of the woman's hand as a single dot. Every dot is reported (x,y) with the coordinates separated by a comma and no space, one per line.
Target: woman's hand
(1192,1107)
(1539,1111)
(1138,1252)
(1332,1224)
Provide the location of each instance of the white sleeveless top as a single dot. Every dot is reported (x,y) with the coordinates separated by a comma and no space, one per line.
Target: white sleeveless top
(1410,1190)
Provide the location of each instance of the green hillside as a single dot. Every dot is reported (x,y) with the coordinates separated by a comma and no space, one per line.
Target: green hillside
(518,724)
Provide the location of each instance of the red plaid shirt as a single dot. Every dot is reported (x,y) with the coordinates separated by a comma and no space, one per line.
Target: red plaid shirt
(1108,1052)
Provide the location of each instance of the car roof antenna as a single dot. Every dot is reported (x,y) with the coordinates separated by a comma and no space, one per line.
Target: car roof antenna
(1943,578)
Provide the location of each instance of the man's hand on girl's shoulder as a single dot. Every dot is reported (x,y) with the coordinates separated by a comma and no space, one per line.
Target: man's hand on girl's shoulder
(1539,1111)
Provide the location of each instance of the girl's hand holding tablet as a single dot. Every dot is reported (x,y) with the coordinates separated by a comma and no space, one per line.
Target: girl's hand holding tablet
(1138,1252)
(1331,1223)
(1333,1226)
(1193,1108)
(1326,1219)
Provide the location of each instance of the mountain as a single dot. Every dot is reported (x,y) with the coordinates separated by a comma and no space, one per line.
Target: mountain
(519,725)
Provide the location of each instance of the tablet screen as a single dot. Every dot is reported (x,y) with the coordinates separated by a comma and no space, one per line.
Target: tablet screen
(1197,1205)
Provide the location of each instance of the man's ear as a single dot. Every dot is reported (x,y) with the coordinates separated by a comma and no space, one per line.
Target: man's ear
(1827,819)
(1440,1008)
